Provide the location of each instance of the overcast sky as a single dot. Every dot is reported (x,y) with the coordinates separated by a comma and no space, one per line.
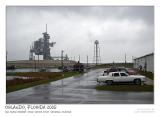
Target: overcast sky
(119,30)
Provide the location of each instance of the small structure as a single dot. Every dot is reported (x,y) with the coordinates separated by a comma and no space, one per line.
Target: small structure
(145,63)
(78,67)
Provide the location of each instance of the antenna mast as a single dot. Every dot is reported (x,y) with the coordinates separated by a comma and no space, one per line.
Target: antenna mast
(46,28)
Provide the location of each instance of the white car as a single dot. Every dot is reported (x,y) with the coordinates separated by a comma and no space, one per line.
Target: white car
(115,77)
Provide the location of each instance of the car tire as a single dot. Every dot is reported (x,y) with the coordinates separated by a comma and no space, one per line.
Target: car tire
(98,82)
(109,82)
(137,81)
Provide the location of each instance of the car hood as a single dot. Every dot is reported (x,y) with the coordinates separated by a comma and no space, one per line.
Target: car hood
(102,76)
(140,76)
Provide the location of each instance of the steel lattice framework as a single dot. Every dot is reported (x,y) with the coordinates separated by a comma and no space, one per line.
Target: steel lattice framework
(42,47)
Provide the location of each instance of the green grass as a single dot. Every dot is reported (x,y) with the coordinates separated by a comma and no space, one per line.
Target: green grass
(126,88)
(25,85)
(41,78)
(10,73)
(147,74)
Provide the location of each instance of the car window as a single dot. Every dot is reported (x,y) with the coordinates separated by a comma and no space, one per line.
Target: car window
(116,74)
(123,74)
(113,70)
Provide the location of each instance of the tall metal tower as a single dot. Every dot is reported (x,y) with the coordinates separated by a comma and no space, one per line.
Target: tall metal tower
(97,58)
(47,45)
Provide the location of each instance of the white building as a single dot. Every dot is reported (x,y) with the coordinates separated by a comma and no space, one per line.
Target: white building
(145,63)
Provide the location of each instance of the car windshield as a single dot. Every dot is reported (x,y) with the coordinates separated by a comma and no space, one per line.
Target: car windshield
(123,74)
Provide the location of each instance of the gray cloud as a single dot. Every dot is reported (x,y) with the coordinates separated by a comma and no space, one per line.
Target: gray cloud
(119,30)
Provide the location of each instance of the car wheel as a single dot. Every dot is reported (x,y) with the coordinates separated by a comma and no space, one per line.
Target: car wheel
(109,82)
(98,81)
(137,81)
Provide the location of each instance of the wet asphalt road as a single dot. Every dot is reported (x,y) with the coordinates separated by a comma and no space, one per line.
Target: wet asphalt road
(76,90)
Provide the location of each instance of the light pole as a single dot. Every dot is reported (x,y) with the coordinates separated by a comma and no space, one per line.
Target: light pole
(87,60)
(6,58)
(79,58)
(62,69)
(62,59)
(125,61)
(35,63)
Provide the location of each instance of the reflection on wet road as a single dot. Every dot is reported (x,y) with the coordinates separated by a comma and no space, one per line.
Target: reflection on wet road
(77,90)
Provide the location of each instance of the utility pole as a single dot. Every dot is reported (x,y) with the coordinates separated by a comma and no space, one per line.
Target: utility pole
(38,62)
(35,63)
(96,54)
(125,60)
(6,58)
(113,63)
(87,60)
(46,28)
(79,58)
(62,69)
(62,58)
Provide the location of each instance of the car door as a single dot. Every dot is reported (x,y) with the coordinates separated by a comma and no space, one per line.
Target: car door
(116,77)
(124,77)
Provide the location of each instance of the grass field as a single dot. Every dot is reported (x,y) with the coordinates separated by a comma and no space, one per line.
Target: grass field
(39,78)
(147,74)
(126,88)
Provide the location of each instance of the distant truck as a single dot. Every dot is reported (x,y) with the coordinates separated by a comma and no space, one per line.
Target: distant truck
(120,69)
(79,67)
(115,77)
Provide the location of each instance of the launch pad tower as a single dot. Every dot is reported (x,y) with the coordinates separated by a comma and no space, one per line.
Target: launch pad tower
(42,47)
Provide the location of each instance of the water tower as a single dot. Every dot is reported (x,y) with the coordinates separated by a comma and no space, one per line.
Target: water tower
(96,58)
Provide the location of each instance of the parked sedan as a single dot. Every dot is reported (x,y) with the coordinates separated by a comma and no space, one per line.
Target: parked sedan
(114,77)
(129,71)
(132,71)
